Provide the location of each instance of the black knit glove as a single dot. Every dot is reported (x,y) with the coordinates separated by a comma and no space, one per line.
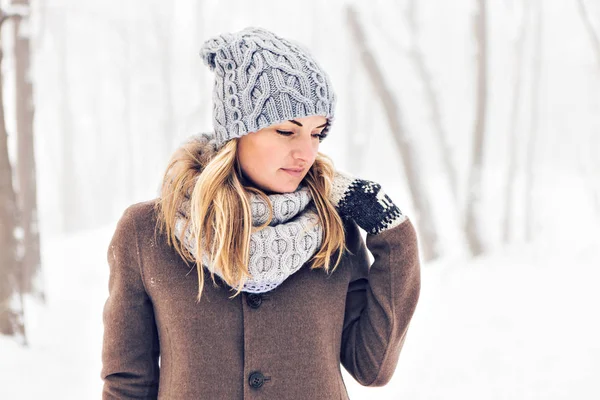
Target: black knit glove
(364,202)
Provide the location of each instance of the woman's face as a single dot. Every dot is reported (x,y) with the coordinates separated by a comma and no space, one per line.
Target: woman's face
(277,158)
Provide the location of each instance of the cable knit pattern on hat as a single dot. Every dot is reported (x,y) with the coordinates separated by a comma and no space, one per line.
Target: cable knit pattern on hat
(262,79)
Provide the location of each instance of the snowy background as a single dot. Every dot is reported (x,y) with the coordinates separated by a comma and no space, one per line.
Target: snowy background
(119,84)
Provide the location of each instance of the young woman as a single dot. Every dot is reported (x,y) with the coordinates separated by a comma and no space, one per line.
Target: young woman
(292,293)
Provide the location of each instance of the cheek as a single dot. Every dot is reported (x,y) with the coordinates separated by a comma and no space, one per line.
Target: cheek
(316,150)
(261,159)
(273,155)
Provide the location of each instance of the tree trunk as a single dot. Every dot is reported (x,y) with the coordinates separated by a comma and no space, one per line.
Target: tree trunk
(589,28)
(535,102)
(128,147)
(68,182)
(26,166)
(473,204)
(429,238)
(594,37)
(128,151)
(204,99)
(514,118)
(431,96)
(11,322)
(163,27)
(594,175)
(355,144)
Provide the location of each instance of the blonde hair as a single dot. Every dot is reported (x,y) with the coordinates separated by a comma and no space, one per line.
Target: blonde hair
(220,212)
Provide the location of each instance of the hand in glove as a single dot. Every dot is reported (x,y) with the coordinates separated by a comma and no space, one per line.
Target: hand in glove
(364,202)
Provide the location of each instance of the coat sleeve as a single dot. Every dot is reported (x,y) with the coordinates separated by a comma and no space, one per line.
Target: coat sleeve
(380,302)
(130,347)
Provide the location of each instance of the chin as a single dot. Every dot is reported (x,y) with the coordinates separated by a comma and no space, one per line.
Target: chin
(280,185)
(287,187)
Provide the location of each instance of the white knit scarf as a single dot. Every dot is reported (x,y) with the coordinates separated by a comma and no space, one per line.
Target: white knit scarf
(277,251)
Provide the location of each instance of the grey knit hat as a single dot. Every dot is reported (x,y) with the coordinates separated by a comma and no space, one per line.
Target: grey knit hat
(262,79)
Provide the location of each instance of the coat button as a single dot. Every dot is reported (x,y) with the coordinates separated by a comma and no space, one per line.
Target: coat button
(254,300)
(256,379)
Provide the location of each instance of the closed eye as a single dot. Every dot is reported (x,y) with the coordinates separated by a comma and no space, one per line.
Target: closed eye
(320,136)
(285,133)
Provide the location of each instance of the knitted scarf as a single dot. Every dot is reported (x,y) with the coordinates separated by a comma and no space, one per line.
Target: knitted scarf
(277,251)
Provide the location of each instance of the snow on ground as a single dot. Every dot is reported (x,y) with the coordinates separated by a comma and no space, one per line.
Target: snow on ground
(519,323)
(65,335)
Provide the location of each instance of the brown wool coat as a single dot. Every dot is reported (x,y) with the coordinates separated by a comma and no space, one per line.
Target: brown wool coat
(285,344)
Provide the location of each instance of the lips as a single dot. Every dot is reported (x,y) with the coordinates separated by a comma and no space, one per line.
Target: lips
(294,171)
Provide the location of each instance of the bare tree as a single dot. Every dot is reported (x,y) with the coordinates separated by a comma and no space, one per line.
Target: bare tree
(594,176)
(26,166)
(355,146)
(535,102)
(589,28)
(163,28)
(472,211)
(119,166)
(203,105)
(125,164)
(518,45)
(424,221)
(431,96)
(594,37)
(127,181)
(11,318)
(68,182)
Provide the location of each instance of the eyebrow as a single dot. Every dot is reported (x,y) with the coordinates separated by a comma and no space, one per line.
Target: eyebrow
(299,124)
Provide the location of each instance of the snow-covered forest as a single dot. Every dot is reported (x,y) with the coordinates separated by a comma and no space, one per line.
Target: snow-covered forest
(480,118)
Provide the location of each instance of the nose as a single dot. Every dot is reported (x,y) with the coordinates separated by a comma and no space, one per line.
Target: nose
(304,148)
